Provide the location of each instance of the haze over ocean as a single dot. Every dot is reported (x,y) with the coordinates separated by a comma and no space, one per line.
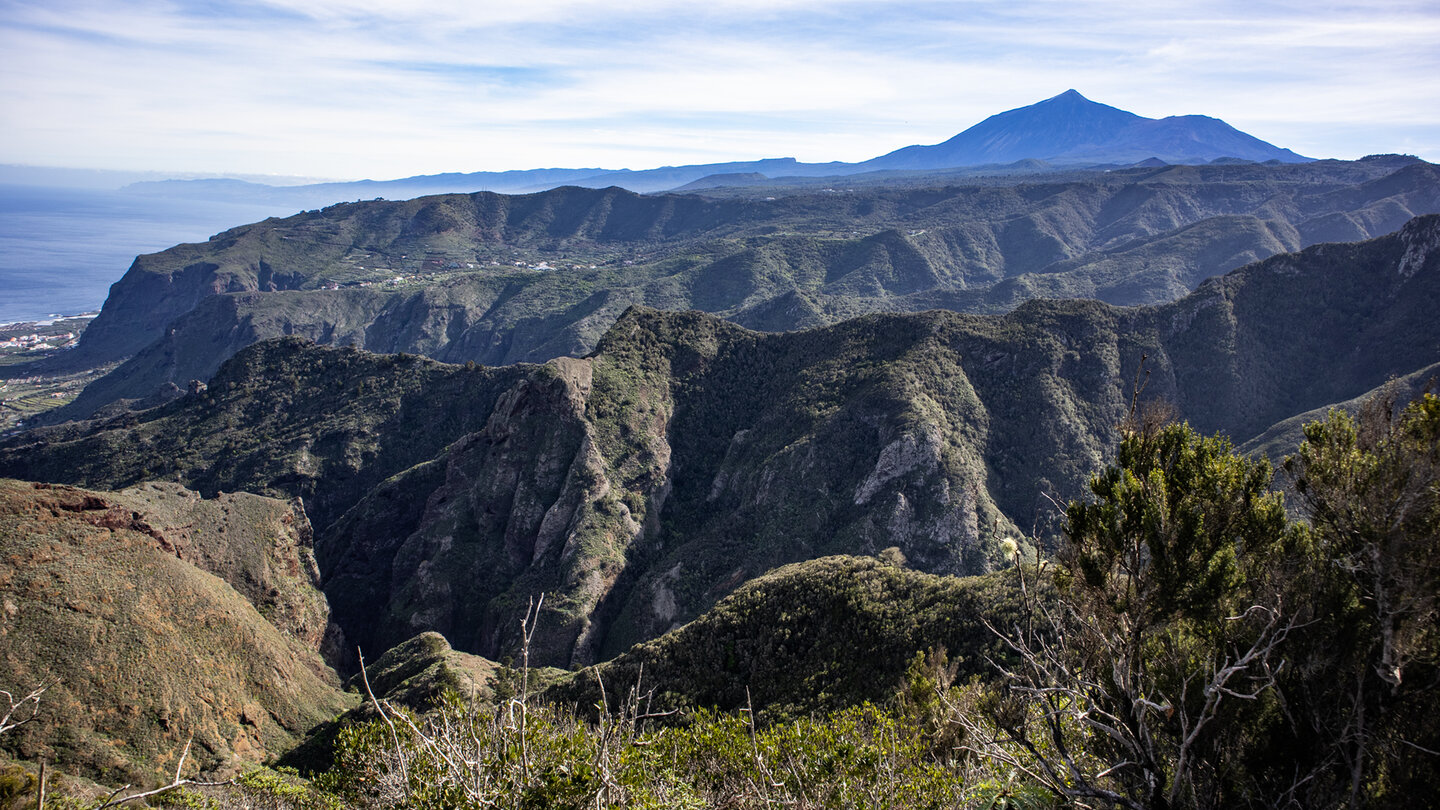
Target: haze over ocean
(62,248)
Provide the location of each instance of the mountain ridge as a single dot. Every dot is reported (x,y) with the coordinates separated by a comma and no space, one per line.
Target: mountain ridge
(498,279)
(1053,130)
(638,485)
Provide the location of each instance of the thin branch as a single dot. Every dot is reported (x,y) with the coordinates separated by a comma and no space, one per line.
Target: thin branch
(527,632)
(1420,748)
(394,736)
(175,784)
(33,699)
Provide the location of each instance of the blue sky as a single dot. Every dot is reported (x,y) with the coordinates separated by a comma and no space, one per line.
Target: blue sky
(376,88)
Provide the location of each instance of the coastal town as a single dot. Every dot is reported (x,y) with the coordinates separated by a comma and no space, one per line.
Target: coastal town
(37,342)
(28,384)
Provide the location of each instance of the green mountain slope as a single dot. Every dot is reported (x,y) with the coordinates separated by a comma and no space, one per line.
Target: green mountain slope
(285,420)
(686,455)
(1301,330)
(417,674)
(143,649)
(1281,438)
(500,279)
(809,637)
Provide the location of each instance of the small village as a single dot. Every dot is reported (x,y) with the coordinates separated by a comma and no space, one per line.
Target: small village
(24,390)
(37,342)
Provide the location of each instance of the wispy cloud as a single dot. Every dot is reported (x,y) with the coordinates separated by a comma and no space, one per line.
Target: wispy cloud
(375,88)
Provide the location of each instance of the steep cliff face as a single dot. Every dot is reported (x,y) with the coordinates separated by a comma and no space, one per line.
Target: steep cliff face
(527,504)
(639,485)
(154,292)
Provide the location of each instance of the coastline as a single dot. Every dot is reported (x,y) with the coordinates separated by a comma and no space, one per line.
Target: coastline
(48,320)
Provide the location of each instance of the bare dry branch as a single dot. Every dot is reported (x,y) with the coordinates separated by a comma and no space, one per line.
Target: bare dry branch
(394,735)
(16,714)
(116,800)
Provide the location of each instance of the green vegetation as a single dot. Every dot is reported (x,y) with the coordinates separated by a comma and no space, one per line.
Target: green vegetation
(1160,660)
(810,637)
(418,675)
(860,757)
(1371,488)
(686,455)
(1194,647)
(504,279)
(1206,652)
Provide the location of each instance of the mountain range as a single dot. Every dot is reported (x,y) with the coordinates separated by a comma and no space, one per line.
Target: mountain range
(685,455)
(776,446)
(1064,131)
(499,279)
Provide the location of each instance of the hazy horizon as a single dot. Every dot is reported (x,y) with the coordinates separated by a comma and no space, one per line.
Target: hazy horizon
(61,249)
(378,89)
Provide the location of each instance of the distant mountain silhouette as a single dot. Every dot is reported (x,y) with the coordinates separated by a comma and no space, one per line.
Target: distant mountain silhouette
(1064,131)
(1070,128)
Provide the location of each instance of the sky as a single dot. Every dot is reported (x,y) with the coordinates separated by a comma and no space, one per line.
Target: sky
(381,89)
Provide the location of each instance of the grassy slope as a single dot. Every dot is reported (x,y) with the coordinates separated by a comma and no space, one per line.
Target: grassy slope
(261,547)
(143,649)
(807,637)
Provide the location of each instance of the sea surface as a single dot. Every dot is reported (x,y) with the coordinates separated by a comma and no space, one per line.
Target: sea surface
(62,248)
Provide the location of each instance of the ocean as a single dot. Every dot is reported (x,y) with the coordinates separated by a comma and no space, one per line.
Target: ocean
(62,248)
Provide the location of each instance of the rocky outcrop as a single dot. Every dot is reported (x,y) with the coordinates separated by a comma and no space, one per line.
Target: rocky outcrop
(538,500)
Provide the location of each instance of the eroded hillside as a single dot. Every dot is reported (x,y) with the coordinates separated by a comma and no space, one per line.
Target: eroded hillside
(153,616)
